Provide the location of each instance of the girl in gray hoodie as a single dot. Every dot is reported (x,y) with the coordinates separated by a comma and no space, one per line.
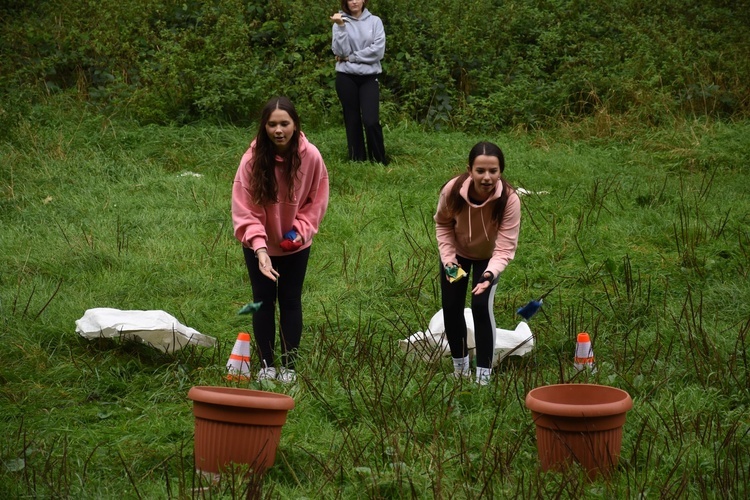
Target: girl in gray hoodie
(359,45)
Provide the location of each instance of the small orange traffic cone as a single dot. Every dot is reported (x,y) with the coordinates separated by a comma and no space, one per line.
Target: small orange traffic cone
(238,365)
(584,353)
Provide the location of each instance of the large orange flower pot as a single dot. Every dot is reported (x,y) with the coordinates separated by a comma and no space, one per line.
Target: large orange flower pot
(237,426)
(579,422)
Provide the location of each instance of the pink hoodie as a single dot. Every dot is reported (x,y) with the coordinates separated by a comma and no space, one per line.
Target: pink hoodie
(473,234)
(258,226)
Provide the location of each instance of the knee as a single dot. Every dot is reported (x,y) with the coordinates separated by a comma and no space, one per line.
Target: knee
(481,313)
(452,306)
(481,302)
(266,308)
(290,303)
(370,122)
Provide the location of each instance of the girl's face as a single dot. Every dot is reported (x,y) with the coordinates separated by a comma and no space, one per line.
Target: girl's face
(484,176)
(356,7)
(280,129)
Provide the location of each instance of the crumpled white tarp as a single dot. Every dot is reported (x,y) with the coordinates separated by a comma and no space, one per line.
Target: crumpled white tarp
(158,329)
(431,345)
(521,191)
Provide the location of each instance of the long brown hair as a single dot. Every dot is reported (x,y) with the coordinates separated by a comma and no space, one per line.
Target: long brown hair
(455,202)
(345,6)
(263,186)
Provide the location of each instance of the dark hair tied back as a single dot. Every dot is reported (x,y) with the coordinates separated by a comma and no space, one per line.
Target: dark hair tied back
(455,202)
(487,149)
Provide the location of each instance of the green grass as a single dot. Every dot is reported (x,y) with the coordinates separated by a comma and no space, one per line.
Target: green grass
(642,240)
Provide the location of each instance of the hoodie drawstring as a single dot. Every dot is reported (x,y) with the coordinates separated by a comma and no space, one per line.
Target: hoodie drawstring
(469,220)
(481,214)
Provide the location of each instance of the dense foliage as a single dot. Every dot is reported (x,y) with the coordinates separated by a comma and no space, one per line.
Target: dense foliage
(465,64)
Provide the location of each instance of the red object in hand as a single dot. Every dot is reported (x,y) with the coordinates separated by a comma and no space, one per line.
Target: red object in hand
(290,245)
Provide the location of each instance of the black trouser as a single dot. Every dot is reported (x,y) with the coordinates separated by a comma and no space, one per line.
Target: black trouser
(288,290)
(360,100)
(453,300)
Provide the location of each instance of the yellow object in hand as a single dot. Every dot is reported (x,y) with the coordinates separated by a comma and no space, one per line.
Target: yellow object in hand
(454,273)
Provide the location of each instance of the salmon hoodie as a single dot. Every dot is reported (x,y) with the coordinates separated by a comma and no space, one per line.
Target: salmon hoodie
(473,234)
(258,226)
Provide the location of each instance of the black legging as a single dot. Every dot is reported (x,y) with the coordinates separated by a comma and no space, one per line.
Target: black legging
(453,300)
(288,290)
(360,100)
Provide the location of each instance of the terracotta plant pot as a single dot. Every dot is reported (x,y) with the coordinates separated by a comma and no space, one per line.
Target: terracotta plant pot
(581,422)
(237,426)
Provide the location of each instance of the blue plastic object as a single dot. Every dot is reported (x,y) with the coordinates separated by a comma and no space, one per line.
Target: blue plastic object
(530,309)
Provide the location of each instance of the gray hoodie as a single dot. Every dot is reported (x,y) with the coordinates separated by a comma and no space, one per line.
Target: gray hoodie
(362,41)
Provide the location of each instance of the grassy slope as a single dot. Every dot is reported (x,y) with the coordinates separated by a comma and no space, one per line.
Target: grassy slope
(641,239)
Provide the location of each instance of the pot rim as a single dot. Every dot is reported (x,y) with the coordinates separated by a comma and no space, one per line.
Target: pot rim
(241,398)
(617,401)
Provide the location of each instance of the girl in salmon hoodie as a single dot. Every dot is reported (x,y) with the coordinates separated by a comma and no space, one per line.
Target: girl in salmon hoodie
(279,198)
(477,223)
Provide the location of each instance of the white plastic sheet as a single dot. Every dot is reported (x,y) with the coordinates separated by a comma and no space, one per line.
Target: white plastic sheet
(431,345)
(158,329)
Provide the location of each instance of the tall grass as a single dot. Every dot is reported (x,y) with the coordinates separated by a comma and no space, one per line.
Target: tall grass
(639,237)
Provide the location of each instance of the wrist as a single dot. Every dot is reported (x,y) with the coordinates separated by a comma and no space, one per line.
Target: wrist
(260,251)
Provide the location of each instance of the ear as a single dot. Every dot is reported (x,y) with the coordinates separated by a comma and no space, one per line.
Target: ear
(468,168)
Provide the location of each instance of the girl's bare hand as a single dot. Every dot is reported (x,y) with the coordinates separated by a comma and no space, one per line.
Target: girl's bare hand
(483,284)
(336,18)
(481,287)
(266,267)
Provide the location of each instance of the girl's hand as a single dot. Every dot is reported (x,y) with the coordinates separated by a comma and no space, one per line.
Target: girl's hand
(291,242)
(336,18)
(453,272)
(483,284)
(265,265)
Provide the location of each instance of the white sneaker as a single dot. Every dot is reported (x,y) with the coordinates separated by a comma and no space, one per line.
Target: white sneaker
(461,367)
(268,373)
(286,376)
(483,375)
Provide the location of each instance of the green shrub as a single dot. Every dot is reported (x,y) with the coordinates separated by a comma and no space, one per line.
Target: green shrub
(477,64)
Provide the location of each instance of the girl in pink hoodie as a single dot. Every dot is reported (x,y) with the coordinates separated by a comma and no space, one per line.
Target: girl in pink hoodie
(477,222)
(279,197)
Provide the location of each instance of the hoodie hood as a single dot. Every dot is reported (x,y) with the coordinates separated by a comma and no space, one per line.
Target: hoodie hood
(362,17)
(464,192)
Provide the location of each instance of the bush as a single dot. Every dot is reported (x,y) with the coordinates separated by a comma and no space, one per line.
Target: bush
(484,64)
